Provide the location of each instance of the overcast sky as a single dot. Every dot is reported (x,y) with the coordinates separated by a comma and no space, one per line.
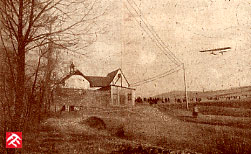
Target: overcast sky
(186,27)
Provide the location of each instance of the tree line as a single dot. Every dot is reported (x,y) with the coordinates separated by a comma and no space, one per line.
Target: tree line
(34,34)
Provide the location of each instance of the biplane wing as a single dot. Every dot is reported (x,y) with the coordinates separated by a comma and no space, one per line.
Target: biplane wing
(218,49)
(221,50)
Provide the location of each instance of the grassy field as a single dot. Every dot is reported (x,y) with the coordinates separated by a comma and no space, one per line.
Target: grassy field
(229,122)
(243,103)
(151,128)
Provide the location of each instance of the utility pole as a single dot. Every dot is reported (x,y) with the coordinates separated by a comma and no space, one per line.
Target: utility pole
(122,35)
(185,84)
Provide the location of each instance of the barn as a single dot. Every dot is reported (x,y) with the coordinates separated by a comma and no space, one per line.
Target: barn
(77,89)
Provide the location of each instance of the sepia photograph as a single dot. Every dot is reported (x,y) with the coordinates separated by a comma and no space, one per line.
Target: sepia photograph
(125,77)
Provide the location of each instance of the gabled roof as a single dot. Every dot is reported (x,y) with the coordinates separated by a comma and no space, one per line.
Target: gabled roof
(95,81)
(113,73)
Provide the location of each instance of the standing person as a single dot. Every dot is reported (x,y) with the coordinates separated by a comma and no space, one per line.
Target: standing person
(195,111)
(62,109)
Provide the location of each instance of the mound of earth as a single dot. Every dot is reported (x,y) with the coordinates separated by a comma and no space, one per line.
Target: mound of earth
(95,122)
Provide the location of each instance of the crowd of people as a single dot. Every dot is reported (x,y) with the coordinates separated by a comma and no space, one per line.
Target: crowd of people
(153,100)
(233,97)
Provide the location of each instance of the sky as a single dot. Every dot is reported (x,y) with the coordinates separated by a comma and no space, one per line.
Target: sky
(185,27)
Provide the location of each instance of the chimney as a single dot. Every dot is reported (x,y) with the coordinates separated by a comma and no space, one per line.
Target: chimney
(72,66)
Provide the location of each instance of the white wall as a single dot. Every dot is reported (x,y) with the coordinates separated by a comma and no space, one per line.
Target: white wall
(117,81)
(117,92)
(77,82)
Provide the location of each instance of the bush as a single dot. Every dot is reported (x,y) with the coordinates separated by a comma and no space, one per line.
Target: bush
(95,122)
(120,132)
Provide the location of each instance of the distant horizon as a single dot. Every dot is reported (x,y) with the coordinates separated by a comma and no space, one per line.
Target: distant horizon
(196,91)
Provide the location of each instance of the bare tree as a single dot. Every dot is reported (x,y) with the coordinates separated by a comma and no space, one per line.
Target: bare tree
(33,29)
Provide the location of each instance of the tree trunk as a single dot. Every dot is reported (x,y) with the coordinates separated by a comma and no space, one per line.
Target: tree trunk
(20,83)
(20,70)
(48,77)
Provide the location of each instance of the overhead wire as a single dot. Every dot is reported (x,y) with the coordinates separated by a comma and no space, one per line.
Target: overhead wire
(154,37)
(155,77)
(153,34)
(173,70)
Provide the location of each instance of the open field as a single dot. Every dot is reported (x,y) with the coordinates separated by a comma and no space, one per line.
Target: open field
(244,103)
(233,108)
(65,133)
(217,118)
(142,129)
(231,120)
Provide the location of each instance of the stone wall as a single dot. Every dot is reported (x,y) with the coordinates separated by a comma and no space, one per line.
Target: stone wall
(80,97)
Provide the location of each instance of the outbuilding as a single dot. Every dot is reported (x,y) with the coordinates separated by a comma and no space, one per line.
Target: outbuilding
(79,90)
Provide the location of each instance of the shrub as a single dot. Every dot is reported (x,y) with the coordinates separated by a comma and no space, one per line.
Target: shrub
(120,132)
(95,122)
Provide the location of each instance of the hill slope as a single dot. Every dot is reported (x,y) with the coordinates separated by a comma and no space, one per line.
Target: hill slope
(240,91)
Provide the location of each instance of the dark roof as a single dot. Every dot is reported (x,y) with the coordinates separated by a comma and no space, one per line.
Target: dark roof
(95,81)
(112,74)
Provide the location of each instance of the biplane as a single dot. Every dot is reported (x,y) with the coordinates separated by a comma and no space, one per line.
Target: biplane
(219,50)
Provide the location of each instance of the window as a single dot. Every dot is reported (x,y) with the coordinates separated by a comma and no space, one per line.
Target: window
(129,96)
(115,99)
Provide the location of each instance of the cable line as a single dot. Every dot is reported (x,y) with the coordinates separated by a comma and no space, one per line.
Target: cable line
(159,77)
(160,44)
(151,29)
(153,34)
